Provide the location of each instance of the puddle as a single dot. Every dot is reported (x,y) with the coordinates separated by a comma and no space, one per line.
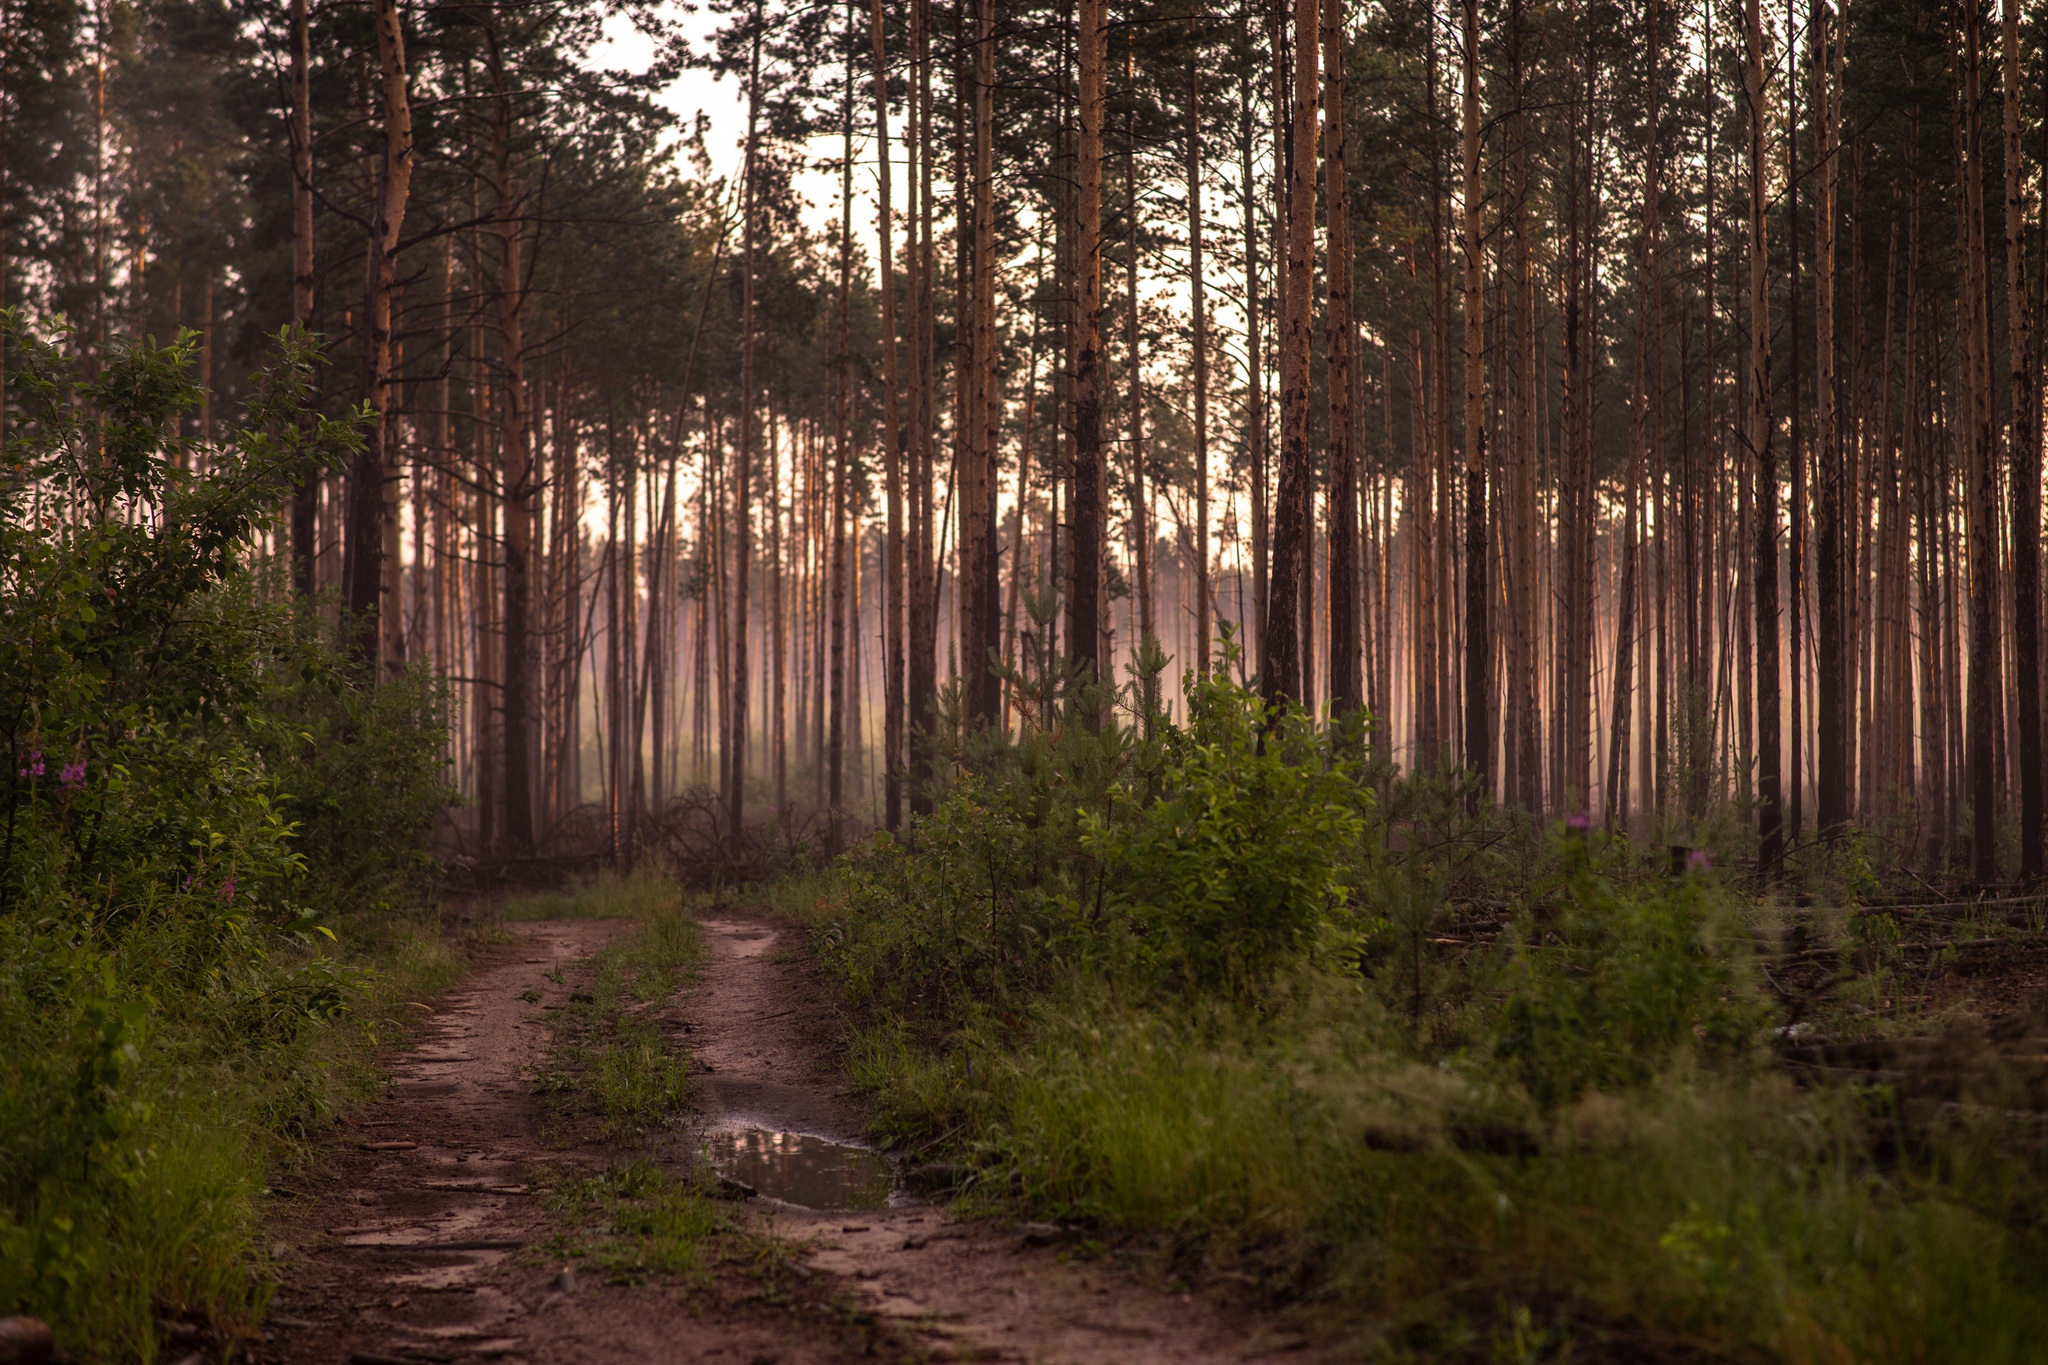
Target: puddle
(796,1168)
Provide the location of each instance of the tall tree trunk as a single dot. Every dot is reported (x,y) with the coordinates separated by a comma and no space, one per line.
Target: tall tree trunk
(1981,469)
(1525,726)
(1084,622)
(893,447)
(1255,387)
(366,504)
(1832,803)
(742,521)
(306,501)
(1134,368)
(835,738)
(1478,635)
(976,592)
(1284,679)
(517,484)
(778,620)
(1199,309)
(2025,454)
(1794,589)
(924,383)
(1759,433)
(924,605)
(1345,647)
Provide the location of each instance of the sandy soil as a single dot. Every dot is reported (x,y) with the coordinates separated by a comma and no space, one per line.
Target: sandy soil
(415,1238)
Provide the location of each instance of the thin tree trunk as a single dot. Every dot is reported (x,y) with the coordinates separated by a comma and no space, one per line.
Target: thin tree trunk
(1478,635)
(1832,797)
(976,592)
(1340,333)
(1134,394)
(1255,390)
(923,569)
(517,482)
(893,443)
(1981,469)
(1759,434)
(366,504)
(835,738)
(778,622)
(1199,309)
(2022,403)
(1284,681)
(743,529)
(306,501)
(1085,512)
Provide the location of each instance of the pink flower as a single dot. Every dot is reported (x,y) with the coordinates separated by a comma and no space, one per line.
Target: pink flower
(227,890)
(1699,860)
(74,774)
(32,766)
(1578,821)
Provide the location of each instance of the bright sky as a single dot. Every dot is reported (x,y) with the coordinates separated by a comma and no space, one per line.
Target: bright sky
(723,103)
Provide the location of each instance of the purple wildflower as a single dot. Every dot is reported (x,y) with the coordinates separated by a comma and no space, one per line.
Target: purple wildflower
(32,766)
(227,890)
(190,877)
(1578,821)
(74,774)
(1699,860)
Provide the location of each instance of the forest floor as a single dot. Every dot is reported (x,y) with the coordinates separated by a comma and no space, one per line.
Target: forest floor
(431,1225)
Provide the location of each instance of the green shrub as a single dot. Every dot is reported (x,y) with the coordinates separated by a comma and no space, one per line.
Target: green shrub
(196,793)
(1243,861)
(1495,1091)
(1602,995)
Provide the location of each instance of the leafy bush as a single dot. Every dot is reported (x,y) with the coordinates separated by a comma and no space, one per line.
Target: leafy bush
(1243,861)
(1602,995)
(174,833)
(1325,1032)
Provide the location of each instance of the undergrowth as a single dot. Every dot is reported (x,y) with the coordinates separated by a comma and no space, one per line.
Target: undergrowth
(634,1220)
(211,837)
(1468,1089)
(608,1059)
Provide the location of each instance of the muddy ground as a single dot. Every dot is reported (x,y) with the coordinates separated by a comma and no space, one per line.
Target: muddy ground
(422,1231)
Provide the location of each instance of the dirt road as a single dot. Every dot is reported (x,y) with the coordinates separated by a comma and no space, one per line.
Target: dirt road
(423,1236)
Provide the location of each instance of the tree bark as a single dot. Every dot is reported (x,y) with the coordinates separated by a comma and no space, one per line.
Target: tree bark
(1085,511)
(742,521)
(893,446)
(1981,470)
(1141,520)
(517,485)
(2025,454)
(306,501)
(977,591)
(1478,635)
(366,504)
(1199,322)
(1759,433)
(1345,647)
(1284,681)
(1832,712)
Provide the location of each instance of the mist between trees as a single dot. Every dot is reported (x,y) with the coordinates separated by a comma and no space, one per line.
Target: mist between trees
(1638,404)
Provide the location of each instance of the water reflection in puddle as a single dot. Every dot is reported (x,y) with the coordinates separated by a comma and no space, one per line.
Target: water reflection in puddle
(799,1169)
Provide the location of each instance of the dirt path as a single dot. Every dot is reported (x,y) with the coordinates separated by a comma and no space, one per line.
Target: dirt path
(970,1290)
(417,1239)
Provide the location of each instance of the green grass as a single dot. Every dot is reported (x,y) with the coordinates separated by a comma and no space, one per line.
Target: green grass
(1302,1147)
(163,1216)
(1582,1140)
(608,1059)
(646,892)
(634,1220)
